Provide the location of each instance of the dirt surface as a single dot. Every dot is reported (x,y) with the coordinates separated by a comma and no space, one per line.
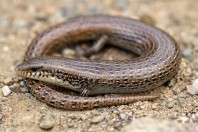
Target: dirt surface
(22,20)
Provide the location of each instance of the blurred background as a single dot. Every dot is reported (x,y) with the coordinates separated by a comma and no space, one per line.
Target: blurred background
(21,20)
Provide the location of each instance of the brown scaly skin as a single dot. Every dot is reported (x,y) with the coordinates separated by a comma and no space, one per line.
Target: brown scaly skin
(158,63)
(59,100)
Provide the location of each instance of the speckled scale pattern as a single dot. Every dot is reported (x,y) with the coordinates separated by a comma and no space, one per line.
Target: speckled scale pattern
(158,61)
(60,100)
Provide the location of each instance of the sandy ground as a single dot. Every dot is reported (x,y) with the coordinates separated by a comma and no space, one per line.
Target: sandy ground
(22,20)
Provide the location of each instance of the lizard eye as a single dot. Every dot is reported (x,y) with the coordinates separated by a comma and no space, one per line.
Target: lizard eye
(35,69)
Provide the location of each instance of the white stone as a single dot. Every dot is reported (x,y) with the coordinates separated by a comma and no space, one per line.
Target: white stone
(193,89)
(6,90)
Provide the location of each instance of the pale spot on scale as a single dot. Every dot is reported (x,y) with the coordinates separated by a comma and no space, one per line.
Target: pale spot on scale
(67,83)
(56,79)
(45,73)
(37,74)
(33,73)
(53,78)
(28,74)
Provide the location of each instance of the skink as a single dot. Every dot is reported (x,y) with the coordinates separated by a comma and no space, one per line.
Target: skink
(158,62)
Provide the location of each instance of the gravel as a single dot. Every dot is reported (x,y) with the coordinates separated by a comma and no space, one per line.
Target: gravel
(23,89)
(6,90)
(193,89)
(196,114)
(123,116)
(3,99)
(154,125)
(22,83)
(7,80)
(122,4)
(97,119)
(194,118)
(183,119)
(68,53)
(29,95)
(169,104)
(187,53)
(47,122)
(181,95)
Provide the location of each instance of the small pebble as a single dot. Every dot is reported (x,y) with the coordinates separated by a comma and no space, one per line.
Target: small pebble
(98,109)
(194,118)
(122,4)
(195,82)
(23,89)
(183,119)
(195,104)
(70,125)
(47,122)
(187,53)
(142,107)
(193,89)
(4,99)
(29,95)
(154,106)
(104,125)
(68,52)
(7,80)
(97,119)
(22,83)
(120,107)
(14,88)
(196,114)
(169,104)
(6,90)
(181,95)
(173,117)
(117,124)
(183,114)
(123,116)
